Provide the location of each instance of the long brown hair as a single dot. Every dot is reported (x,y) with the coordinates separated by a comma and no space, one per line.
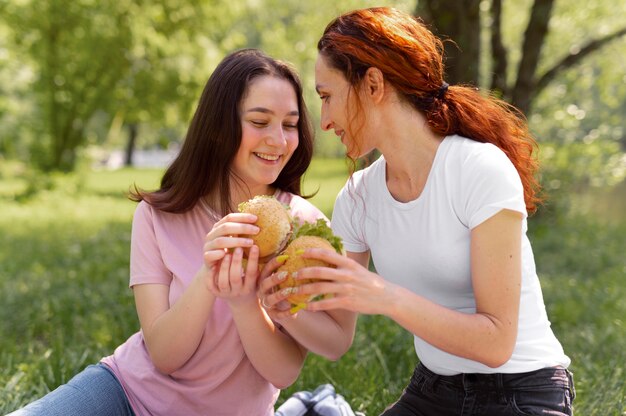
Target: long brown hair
(411,59)
(203,166)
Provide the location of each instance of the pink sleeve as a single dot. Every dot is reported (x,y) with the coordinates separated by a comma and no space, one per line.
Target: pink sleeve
(146,261)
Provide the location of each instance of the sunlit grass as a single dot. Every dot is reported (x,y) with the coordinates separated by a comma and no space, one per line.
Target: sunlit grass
(66,303)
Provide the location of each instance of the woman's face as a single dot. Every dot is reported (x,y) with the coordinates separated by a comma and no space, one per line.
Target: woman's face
(337,97)
(269,126)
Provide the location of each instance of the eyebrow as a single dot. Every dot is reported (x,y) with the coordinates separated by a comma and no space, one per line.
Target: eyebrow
(268,111)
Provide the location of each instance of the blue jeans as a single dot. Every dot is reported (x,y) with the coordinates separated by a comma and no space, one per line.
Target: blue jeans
(95,391)
(545,391)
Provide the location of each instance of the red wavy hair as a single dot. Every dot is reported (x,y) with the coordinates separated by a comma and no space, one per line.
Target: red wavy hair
(410,57)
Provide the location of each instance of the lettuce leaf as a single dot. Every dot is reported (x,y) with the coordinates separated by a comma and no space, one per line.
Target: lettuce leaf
(320,229)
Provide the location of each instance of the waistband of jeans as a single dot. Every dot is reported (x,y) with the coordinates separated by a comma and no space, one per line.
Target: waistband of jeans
(549,376)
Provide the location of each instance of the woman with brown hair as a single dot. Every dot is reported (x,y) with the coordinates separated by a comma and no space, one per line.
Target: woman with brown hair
(443,215)
(206,345)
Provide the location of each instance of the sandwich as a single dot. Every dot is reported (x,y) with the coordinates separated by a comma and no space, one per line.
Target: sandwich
(307,235)
(275,224)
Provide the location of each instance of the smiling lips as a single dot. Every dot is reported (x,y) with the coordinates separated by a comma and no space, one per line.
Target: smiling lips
(267,156)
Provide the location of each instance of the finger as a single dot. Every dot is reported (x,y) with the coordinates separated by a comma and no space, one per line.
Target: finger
(269,284)
(239,217)
(277,299)
(321,288)
(236,270)
(252,270)
(328,256)
(322,273)
(232,228)
(227,242)
(223,283)
(272,265)
(280,311)
(212,256)
(327,304)
(211,279)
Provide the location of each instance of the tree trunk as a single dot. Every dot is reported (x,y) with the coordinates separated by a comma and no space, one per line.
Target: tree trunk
(534,37)
(463,53)
(133,130)
(499,53)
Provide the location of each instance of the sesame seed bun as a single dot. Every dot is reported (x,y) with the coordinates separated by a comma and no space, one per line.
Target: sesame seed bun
(294,262)
(274,222)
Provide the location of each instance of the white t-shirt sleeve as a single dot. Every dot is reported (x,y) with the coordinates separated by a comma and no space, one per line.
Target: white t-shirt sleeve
(345,221)
(490,183)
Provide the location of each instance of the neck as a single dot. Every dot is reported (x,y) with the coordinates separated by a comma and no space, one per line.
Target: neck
(241,192)
(409,148)
(408,144)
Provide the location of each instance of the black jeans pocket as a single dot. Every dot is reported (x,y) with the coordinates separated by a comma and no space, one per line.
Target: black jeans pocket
(536,401)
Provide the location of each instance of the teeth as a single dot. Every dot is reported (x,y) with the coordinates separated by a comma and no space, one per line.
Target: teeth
(267,156)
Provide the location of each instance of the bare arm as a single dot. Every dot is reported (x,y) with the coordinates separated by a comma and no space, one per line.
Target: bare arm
(329,333)
(274,354)
(173,333)
(487,336)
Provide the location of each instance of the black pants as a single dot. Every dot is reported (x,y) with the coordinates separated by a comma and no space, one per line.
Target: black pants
(549,391)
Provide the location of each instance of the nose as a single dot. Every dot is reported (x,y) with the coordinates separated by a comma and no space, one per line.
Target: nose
(276,137)
(325,122)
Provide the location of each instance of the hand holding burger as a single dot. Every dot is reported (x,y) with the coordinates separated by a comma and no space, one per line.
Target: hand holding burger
(306,236)
(279,238)
(274,221)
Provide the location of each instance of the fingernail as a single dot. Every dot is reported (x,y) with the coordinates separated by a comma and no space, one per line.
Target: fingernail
(294,275)
(287,291)
(281,275)
(300,251)
(282,258)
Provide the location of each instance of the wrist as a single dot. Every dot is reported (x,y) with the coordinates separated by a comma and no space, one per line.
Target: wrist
(243,303)
(201,282)
(288,321)
(392,300)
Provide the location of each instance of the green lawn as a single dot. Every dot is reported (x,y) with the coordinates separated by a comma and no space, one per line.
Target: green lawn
(66,303)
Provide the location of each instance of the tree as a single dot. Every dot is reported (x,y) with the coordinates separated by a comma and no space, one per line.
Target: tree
(78,51)
(461,21)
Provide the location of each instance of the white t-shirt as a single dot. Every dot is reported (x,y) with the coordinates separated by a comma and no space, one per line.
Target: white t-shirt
(424,245)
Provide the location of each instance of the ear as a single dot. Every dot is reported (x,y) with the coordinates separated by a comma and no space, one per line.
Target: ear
(374,84)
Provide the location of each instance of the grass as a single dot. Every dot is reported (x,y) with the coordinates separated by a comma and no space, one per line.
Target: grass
(66,303)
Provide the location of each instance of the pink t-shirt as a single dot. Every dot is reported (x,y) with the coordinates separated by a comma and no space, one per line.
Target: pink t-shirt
(218,379)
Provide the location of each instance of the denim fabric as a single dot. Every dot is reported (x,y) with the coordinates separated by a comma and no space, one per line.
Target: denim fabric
(94,391)
(548,391)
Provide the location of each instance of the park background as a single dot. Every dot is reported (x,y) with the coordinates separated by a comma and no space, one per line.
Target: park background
(89,87)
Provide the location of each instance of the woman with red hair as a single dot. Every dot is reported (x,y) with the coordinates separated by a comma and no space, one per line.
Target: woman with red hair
(443,215)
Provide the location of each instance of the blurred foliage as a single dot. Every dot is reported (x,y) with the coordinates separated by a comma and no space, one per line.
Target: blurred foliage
(78,76)
(578,119)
